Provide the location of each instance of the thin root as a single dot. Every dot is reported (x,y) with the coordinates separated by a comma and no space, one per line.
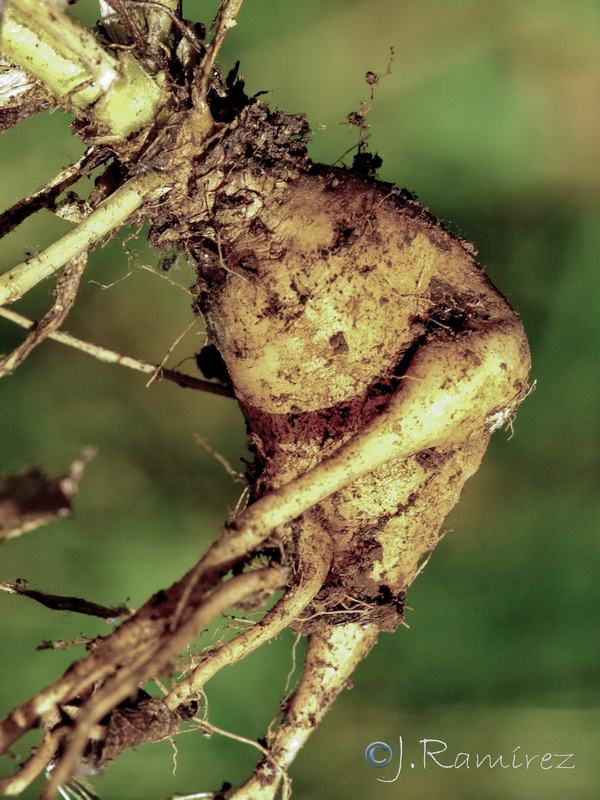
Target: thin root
(29,771)
(111,357)
(331,658)
(46,196)
(314,563)
(65,292)
(154,647)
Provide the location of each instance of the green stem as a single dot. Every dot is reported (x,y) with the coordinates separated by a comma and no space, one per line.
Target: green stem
(110,214)
(78,71)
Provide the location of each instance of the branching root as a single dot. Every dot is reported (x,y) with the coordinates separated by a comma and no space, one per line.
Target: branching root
(314,562)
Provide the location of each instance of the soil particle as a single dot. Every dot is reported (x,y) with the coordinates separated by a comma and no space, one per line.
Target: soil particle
(339,343)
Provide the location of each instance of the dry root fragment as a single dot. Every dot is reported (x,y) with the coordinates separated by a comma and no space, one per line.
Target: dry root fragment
(65,293)
(31,498)
(61,603)
(47,196)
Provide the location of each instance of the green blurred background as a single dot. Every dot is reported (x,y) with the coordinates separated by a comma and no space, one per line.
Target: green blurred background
(491,115)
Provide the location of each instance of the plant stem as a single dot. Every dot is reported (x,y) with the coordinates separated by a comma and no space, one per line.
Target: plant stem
(66,57)
(222,24)
(110,214)
(78,71)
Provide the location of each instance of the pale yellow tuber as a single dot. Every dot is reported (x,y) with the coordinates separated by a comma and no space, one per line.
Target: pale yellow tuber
(372,359)
(355,326)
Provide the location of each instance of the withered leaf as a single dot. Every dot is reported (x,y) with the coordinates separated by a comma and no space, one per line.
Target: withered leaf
(149,721)
(21,95)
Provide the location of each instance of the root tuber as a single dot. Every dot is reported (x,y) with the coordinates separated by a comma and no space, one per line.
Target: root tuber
(372,360)
(359,334)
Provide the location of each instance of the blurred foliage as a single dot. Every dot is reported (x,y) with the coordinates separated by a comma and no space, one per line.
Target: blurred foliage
(491,116)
